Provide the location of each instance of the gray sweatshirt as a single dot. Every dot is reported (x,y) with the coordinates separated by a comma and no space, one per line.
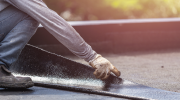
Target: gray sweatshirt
(56,25)
(3,5)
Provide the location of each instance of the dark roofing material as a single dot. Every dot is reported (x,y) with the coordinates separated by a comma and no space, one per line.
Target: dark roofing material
(40,93)
(55,71)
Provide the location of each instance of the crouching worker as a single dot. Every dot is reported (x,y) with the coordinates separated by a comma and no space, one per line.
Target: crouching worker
(19,20)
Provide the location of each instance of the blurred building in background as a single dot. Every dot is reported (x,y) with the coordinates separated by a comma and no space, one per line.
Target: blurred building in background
(73,10)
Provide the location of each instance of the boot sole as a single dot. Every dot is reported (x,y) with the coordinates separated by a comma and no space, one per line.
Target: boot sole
(16,85)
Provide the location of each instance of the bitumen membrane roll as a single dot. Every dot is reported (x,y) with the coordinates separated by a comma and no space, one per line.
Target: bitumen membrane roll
(44,93)
(54,71)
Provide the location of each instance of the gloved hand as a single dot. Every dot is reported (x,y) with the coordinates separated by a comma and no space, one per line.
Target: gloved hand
(103,67)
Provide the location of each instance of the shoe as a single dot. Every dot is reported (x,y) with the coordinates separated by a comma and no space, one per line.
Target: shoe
(7,80)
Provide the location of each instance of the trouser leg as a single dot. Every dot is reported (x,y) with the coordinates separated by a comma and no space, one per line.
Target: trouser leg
(16,29)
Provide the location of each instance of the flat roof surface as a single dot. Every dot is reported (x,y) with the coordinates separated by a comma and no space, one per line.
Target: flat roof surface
(158,69)
(40,93)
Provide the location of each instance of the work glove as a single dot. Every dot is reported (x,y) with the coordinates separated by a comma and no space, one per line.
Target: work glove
(103,67)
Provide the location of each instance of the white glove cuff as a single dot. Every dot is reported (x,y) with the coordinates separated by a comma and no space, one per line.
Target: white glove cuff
(97,56)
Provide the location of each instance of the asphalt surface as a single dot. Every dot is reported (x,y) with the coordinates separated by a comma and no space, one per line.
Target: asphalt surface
(141,72)
(39,93)
(55,71)
(158,69)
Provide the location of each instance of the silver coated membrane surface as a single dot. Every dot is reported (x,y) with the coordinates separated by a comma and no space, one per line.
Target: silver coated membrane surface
(54,71)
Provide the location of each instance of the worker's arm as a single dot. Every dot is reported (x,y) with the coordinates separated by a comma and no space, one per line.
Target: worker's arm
(58,27)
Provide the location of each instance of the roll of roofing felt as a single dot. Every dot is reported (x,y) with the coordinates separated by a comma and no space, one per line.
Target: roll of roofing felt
(51,70)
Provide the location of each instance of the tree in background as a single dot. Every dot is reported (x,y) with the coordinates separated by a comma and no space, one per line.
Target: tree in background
(114,9)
